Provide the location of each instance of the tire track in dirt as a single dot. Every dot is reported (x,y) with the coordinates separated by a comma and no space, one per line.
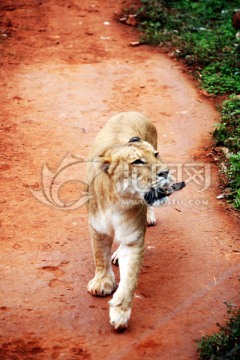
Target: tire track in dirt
(73,72)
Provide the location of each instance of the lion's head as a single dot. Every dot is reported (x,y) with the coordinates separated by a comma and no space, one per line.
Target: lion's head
(134,168)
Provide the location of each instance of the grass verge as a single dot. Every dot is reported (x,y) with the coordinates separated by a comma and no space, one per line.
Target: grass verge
(227,134)
(225,344)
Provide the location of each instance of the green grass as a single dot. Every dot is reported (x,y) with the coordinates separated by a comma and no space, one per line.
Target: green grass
(227,134)
(225,344)
(201,34)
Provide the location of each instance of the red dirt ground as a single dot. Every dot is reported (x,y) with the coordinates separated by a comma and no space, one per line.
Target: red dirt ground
(66,67)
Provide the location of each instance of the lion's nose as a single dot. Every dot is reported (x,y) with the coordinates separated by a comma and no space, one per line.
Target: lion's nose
(163,173)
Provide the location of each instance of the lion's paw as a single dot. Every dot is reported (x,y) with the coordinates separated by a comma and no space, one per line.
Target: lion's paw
(119,315)
(151,219)
(102,286)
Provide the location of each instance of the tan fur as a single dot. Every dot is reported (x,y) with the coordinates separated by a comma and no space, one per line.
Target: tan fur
(116,209)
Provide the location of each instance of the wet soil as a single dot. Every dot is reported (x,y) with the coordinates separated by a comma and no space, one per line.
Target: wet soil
(66,67)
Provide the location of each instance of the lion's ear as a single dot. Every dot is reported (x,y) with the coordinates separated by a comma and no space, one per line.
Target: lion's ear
(104,163)
(105,166)
(135,139)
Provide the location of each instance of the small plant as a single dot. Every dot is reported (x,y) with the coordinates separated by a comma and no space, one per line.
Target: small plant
(225,344)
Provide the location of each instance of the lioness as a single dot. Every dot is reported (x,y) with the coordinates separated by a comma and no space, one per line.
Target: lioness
(123,166)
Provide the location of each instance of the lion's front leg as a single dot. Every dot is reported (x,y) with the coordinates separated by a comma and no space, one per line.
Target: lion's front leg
(151,219)
(103,283)
(130,259)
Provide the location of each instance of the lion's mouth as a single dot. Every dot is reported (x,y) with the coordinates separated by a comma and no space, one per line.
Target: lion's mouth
(155,195)
(162,183)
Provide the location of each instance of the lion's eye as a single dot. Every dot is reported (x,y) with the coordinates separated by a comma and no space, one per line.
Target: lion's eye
(156,154)
(138,162)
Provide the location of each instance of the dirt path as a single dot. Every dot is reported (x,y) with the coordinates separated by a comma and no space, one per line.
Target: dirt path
(66,68)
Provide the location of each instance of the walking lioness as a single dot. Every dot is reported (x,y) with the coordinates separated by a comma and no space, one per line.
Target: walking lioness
(123,166)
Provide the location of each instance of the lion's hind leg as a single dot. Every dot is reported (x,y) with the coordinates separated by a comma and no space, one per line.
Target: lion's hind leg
(115,256)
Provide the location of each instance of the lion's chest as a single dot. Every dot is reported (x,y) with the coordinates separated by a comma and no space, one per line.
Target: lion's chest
(117,225)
